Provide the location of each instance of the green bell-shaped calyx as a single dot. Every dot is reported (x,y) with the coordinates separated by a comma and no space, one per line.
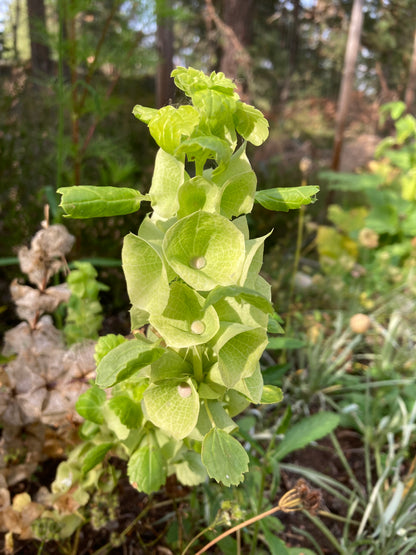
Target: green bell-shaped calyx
(184,322)
(239,349)
(146,277)
(173,406)
(205,250)
(237,183)
(169,125)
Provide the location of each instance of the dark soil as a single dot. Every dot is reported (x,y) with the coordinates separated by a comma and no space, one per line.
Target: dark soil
(323,458)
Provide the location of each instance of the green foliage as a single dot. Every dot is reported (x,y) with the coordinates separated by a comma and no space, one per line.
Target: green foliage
(192,275)
(285,199)
(84,312)
(305,431)
(378,235)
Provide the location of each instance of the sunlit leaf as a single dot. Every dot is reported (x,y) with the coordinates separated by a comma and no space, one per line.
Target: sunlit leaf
(250,296)
(125,360)
(271,394)
(87,201)
(170,365)
(286,198)
(197,193)
(251,387)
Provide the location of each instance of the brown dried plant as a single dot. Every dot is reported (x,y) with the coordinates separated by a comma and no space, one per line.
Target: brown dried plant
(43,378)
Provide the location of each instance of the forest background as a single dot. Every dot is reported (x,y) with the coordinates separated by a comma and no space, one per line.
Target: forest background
(322,72)
(72,71)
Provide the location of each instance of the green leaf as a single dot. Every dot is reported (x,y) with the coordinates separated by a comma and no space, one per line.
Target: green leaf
(86,201)
(95,456)
(127,410)
(125,360)
(170,365)
(251,124)
(114,424)
(275,546)
(168,176)
(205,250)
(344,181)
(274,325)
(173,406)
(271,394)
(184,321)
(146,469)
(309,429)
(145,273)
(67,474)
(278,343)
(190,471)
(90,403)
(224,457)
(105,344)
(212,412)
(236,403)
(286,198)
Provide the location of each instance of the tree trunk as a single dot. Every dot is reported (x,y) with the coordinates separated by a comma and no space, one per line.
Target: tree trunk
(15,26)
(165,88)
(409,95)
(234,34)
(40,55)
(347,82)
(238,16)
